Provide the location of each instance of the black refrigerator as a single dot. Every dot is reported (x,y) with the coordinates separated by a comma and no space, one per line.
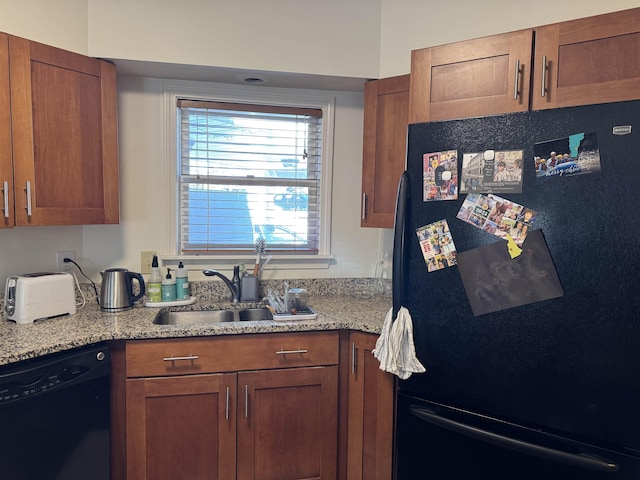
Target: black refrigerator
(542,386)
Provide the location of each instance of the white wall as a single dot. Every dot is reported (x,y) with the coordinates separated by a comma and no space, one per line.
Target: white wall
(412,24)
(328,37)
(61,23)
(360,38)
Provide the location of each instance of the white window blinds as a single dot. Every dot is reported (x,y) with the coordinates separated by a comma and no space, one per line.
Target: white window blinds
(249,171)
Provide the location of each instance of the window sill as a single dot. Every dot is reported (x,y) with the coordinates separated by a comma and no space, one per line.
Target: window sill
(223,262)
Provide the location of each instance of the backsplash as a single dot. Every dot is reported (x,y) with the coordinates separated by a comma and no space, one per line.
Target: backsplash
(315,287)
(217,290)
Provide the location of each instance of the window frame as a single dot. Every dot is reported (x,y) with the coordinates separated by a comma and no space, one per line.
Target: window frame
(215,92)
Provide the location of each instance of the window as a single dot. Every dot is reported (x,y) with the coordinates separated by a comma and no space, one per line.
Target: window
(248,171)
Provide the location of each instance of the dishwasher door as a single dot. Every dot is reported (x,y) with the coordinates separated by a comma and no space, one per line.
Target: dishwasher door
(55,417)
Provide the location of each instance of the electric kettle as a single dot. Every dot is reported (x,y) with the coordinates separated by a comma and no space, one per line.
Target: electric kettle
(116,292)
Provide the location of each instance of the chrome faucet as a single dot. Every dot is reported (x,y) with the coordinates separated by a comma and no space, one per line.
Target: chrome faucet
(234,285)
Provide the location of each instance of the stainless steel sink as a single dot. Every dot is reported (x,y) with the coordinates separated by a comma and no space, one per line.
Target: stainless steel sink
(254,314)
(212,316)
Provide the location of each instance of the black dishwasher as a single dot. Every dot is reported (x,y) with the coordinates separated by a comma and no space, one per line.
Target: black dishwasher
(55,418)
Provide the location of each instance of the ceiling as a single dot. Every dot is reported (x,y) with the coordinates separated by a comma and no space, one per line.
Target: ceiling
(238,76)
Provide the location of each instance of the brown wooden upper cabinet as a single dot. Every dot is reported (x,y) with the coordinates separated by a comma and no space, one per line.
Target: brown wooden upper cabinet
(471,78)
(586,61)
(6,163)
(386,113)
(578,62)
(63,136)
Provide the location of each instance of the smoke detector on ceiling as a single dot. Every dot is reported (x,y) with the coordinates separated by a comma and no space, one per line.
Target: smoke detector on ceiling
(253,79)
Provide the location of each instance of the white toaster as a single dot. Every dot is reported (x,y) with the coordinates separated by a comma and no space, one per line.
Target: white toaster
(34,296)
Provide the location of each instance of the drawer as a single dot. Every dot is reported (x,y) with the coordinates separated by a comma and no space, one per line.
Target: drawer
(185,356)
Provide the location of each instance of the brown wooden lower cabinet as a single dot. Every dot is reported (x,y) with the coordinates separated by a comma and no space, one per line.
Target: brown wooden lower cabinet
(181,427)
(288,424)
(272,411)
(371,413)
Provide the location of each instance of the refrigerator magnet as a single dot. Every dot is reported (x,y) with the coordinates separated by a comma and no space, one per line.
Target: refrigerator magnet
(492,171)
(440,176)
(576,154)
(436,244)
(494,281)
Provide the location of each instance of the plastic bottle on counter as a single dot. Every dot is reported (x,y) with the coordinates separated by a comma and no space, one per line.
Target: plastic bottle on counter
(154,284)
(182,283)
(169,288)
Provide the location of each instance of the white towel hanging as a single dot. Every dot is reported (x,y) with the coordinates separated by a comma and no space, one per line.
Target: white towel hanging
(395,349)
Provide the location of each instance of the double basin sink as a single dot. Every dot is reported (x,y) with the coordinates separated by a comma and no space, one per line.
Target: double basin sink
(196,317)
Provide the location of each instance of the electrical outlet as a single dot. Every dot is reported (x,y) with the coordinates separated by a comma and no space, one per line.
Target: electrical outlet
(61,266)
(145,261)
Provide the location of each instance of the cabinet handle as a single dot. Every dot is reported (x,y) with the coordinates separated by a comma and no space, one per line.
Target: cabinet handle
(174,359)
(226,406)
(544,75)
(246,401)
(354,358)
(364,206)
(28,190)
(285,352)
(5,189)
(516,87)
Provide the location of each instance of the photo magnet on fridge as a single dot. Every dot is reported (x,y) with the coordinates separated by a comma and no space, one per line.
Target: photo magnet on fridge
(440,176)
(494,281)
(576,154)
(492,171)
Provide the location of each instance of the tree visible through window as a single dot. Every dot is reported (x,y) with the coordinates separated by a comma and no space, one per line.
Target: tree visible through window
(249,171)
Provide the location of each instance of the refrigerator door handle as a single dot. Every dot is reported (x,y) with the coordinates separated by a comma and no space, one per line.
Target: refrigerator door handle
(397,280)
(578,460)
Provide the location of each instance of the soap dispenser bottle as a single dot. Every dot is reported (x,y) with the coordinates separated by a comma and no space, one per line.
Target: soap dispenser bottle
(182,283)
(168,288)
(154,284)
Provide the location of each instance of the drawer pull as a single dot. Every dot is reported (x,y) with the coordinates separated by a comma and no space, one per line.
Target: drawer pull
(286,352)
(174,359)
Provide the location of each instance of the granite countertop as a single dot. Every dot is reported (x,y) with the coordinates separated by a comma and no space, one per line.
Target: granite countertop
(91,325)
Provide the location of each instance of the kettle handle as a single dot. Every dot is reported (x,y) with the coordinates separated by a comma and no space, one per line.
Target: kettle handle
(135,276)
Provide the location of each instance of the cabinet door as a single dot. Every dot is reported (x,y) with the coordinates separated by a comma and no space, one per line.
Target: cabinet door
(287,424)
(484,76)
(6,163)
(65,152)
(181,427)
(386,114)
(586,61)
(371,398)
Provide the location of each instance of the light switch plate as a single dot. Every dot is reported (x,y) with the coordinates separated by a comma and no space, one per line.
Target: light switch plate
(146,257)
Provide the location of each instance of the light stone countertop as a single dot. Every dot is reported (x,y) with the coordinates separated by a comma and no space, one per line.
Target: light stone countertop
(91,325)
